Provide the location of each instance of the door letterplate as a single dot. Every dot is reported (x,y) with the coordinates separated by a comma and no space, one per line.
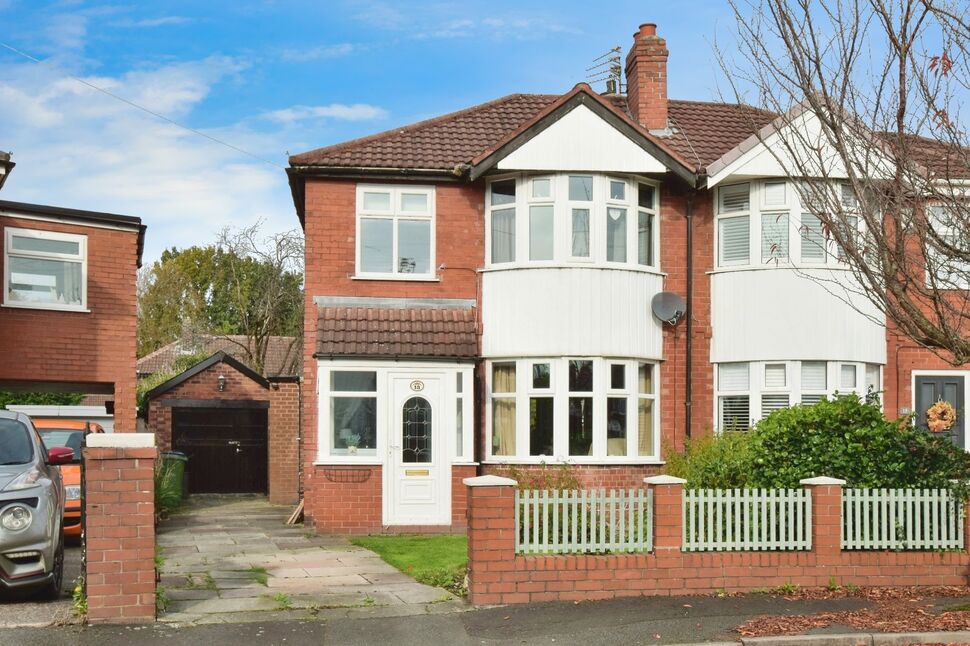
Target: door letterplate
(417,472)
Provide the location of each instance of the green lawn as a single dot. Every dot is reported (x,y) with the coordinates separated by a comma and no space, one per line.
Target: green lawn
(433,560)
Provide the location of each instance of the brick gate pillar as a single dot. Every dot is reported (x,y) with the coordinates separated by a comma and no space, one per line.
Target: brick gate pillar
(826,518)
(119,511)
(491,537)
(668,502)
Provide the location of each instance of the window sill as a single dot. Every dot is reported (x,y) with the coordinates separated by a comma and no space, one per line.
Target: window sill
(46,307)
(399,278)
(773,267)
(511,461)
(617,267)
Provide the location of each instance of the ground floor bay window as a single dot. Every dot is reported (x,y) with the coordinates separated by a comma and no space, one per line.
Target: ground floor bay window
(582,410)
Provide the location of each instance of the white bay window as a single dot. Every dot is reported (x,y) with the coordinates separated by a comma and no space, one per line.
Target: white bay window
(572,409)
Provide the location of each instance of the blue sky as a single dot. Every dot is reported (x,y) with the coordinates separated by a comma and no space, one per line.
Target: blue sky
(272,77)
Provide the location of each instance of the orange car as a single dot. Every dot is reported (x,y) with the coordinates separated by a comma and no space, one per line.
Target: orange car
(70,434)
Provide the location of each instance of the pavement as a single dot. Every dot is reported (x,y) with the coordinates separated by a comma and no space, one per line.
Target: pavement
(649,620)
(233,559)
(20,611)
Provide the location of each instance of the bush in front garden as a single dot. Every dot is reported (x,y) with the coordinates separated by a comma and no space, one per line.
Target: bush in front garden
(845,437)
(714,461)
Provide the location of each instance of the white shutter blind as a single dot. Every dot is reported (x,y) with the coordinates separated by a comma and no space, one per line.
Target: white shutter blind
(732,376)
(809,400)
(734,199)
(849,200)
(848,379)
(813,239)
(776,375)
(872,376)
(774,237)
(771,403)
(734,242)
(735,413)
(813,376)
(774,194)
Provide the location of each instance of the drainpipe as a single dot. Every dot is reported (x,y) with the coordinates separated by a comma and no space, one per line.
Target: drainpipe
(690,311)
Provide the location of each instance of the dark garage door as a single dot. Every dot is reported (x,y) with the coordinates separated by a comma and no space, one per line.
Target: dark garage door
(226,447)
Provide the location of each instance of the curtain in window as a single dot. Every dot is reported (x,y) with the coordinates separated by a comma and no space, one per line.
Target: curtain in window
(645,426)
(503,409)
(503,235)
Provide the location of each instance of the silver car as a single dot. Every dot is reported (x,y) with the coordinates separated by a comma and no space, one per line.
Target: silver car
(31,509)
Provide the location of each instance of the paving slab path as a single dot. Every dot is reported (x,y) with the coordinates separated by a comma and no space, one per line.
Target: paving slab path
(233,558)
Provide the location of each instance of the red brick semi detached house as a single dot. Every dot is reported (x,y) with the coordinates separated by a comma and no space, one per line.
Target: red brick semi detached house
(67,318)
(479,289)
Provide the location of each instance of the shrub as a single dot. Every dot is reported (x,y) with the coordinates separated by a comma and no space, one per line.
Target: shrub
(714,461)
(850,439)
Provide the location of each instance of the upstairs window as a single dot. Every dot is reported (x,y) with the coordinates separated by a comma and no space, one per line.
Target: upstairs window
(395,232)
(734,225)
(45,269)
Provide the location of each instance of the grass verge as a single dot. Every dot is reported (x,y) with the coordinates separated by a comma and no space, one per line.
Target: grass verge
(433,560)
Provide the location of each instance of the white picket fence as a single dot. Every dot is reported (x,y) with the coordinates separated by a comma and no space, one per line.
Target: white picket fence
(747,519)
(902,519)
(580,522)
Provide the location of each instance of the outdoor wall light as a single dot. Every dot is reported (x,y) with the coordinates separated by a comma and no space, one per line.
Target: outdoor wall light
(222,382)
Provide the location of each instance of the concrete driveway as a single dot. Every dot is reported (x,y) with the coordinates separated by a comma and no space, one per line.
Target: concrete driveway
(29,612)
(232,558)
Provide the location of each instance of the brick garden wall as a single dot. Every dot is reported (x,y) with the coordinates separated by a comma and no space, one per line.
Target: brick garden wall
(498,576)
(119,509)
(96,347)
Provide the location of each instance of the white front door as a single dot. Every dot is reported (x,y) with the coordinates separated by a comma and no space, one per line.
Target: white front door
(418,474)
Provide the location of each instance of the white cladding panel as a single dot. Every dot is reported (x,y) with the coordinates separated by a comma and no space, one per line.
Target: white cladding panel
(562,311)
(783,314)
(581,140)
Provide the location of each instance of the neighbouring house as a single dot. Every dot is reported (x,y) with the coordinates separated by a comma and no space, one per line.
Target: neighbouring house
(239,428)
(479,291)
(67,317)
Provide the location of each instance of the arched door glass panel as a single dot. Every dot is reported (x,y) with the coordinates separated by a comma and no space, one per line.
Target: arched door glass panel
(416,433)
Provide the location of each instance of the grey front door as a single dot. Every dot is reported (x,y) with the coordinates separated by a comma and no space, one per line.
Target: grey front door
(931,389)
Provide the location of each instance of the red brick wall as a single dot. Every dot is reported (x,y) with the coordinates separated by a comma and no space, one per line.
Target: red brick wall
(119,510)
(330,227)
(903,356)
(344,499)
(89,347)
(646,78)
(284,412)
(459,494)
(598,476)
(497,575)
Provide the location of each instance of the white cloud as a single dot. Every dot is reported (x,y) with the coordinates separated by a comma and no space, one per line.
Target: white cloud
(319,52)
(355,112)
(162,21)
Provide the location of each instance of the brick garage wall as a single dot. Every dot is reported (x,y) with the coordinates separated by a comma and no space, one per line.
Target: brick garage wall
(283,419)
(119,510)
(498,576)
(81,347)
(329,228)
(284,442)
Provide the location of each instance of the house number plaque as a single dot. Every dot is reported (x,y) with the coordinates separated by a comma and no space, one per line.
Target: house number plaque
(417,386)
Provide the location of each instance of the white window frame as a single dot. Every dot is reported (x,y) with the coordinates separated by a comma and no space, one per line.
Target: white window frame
(396,214)
(559,391)
(80,258)
(945,230)
(563,221)
(386,371)
(759,208)
(757,388)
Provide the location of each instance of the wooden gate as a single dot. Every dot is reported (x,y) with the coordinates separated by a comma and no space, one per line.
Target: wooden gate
(227,448)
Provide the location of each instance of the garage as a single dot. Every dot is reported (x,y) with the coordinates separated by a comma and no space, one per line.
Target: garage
(228,448)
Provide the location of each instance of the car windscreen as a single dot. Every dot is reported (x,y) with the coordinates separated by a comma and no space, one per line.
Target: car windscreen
(69,438)
(15,444)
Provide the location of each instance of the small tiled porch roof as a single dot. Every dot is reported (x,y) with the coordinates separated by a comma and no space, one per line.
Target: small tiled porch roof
(420,333)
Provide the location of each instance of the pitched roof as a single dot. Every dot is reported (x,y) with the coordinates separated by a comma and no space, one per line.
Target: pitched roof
(205,364)
(284,355)
(397,332)
(703,132)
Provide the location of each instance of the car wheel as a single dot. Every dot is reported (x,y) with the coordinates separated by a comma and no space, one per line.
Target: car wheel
(55,588)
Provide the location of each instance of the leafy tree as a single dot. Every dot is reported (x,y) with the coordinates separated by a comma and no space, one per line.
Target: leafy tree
(243,284)
(40,399)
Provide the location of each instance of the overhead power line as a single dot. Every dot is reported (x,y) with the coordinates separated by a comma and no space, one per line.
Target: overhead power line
(143,108)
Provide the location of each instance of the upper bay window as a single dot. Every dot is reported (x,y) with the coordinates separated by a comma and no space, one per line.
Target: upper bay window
(774,222)
(45,269)
(578,409)
(536,220)
(395,232)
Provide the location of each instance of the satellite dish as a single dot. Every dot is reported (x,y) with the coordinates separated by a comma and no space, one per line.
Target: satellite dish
(668,307)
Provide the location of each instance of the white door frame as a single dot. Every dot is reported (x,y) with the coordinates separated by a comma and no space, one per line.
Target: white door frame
(442,406)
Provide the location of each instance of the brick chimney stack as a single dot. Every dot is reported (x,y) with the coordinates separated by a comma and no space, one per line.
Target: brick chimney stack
(646,78)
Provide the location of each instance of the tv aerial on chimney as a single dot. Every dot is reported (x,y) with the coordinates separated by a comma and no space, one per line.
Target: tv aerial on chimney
(607,68)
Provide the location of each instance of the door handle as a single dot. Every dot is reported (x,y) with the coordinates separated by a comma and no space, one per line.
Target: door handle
(233,442)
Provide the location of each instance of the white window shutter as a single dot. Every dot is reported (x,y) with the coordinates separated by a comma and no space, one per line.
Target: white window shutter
(771,403)
(734,199)
(732,376)
(814,376)
(735,413)
(774,237)
(848,378)
(813,239)
(872,376)
(774,194)
(734,243)
(776,375)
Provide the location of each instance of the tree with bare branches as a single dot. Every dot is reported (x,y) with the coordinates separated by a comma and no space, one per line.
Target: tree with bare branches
(870,128)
